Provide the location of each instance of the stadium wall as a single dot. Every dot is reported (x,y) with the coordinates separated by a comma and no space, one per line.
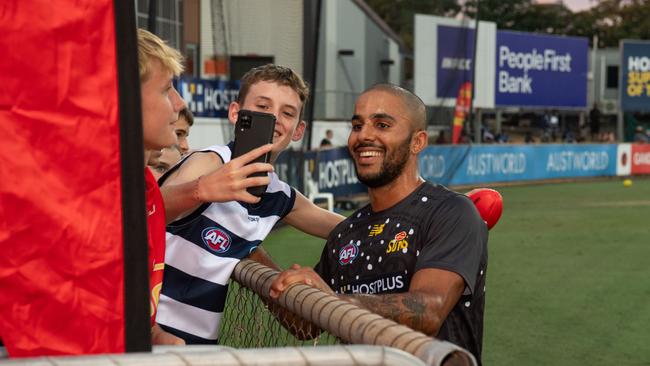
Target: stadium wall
(333,170)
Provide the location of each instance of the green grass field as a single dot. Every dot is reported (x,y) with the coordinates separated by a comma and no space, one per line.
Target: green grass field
(568,275)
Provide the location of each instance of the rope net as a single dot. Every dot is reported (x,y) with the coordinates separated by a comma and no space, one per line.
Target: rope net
(249,322)
(304,315)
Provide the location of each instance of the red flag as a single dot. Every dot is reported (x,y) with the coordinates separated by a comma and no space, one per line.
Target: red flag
(462,110)
(61,269)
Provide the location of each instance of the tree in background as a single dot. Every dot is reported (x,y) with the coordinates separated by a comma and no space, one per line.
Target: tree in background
(399,14)
(507,14)
(610,20)
(545,18)
(630,21)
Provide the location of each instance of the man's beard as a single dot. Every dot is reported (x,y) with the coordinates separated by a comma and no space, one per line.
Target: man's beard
(391,167)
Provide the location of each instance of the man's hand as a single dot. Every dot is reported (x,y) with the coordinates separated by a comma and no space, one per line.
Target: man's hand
(299,327)
(229,182)
(297,274)
(162,338)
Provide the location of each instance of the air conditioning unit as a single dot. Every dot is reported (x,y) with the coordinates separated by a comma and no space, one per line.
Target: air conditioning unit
(609,106)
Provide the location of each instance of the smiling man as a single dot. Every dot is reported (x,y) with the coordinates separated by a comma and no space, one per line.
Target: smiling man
(418,252)
(209,234)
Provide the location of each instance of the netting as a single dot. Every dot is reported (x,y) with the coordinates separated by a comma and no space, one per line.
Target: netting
(249,322)
(304,315)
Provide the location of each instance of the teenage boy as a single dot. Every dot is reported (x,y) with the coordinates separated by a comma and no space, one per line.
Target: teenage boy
(210,234)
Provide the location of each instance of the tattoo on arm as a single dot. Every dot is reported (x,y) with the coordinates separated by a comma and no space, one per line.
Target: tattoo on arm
(415,310)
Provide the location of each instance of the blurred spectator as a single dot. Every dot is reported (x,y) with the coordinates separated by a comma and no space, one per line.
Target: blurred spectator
(594,122)
(611,137)
(568,136)
(583,132)
(502,138)
(464,137)
(326,142)
(640,136)
(441,139)
(529,138)
(608,137)
(182,129)
(551,126)
(486,135)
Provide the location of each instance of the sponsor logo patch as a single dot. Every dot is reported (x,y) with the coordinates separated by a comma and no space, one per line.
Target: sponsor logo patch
(216,240)
(378,286)
(398,243)
(348,253)
(376,229)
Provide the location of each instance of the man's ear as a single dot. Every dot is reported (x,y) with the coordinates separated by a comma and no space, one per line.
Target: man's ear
(299,131)
(419,141)
(233,110)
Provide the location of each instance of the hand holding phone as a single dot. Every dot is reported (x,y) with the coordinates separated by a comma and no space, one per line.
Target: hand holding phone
(252,130)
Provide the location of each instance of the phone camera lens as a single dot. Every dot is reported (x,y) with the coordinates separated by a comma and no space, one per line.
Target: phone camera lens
(246,122)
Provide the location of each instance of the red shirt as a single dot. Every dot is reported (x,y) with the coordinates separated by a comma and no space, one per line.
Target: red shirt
(156,227)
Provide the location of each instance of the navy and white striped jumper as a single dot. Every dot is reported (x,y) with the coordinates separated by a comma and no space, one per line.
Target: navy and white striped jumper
(202,251)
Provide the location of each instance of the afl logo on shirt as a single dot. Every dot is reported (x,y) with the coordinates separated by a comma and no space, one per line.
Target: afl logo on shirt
(348,253)
(216,240)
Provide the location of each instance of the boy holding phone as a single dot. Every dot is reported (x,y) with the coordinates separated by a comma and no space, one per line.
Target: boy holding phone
(211,232)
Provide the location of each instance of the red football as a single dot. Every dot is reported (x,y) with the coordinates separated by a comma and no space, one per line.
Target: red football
(489,204)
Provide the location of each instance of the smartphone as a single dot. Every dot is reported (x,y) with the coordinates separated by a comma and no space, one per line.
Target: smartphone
(252,130)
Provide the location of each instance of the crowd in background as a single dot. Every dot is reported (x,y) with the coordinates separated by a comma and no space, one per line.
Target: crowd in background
(552,127)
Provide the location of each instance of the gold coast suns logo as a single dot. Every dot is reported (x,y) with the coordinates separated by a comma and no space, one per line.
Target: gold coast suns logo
(156,279)
(216,240)
(398,243)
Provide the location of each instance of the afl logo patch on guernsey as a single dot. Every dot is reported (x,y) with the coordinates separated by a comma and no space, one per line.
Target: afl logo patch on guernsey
(348,253)
(216,240)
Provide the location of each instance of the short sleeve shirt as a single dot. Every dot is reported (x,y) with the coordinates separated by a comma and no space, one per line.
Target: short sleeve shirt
(156,231)
(433,227)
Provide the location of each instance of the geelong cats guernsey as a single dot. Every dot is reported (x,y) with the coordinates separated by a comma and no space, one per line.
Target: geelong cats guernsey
(202,251)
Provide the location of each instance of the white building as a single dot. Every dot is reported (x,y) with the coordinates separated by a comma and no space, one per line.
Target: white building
(222,39)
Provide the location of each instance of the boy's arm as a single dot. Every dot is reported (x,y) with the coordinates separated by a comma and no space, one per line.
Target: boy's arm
(311,219)
(162,338)
(260,255)
(204,178)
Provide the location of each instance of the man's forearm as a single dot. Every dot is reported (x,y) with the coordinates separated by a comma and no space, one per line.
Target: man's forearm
(416,310)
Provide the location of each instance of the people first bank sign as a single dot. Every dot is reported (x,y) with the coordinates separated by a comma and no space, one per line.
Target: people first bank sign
(541,71)
(512,69)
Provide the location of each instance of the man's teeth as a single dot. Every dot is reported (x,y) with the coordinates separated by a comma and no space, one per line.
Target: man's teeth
(366,154)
